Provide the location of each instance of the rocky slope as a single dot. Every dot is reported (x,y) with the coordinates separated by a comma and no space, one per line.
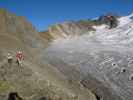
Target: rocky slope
(37,77)
(77,28)
(68,29)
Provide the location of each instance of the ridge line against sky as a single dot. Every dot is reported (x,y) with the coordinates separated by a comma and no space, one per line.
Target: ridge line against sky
(43,13)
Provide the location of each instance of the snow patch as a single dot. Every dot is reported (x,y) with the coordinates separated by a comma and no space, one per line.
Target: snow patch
(101,27)
(125,20)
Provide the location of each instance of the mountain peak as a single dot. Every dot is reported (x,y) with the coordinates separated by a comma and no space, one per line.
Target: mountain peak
(131,16)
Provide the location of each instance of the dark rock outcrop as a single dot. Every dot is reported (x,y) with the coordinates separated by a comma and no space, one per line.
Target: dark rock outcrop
(109,20)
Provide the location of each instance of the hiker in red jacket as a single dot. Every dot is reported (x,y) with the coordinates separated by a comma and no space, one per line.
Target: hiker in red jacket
(19,57)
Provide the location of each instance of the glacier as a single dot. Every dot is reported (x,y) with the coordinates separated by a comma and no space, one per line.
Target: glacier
(100,55)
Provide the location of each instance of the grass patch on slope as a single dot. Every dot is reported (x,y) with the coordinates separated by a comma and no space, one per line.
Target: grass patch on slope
(4,86)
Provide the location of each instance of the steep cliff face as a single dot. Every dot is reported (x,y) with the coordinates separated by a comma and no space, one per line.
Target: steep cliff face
(18,30)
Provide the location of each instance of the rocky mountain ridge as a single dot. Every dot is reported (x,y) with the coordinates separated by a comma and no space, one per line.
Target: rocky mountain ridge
(36,78)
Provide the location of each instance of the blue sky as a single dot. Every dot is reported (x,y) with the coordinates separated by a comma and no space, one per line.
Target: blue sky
(43,13)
